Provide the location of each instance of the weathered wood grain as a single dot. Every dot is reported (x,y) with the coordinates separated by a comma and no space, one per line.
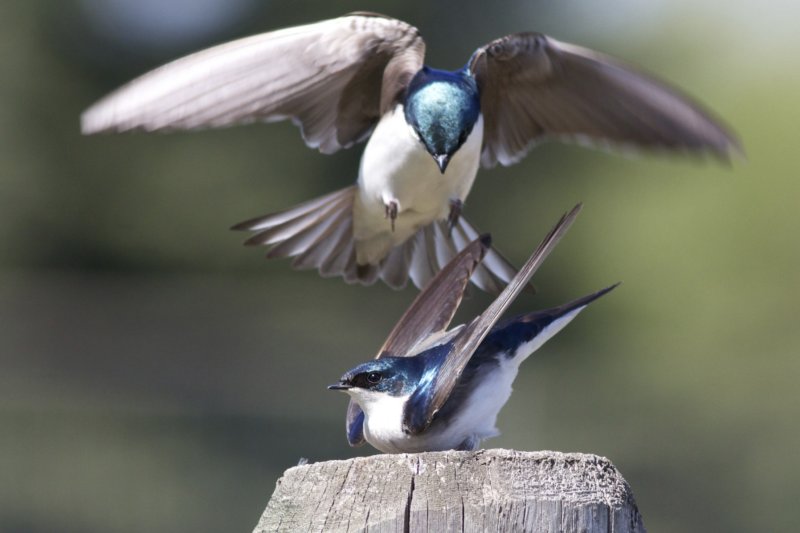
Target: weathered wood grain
(487,490)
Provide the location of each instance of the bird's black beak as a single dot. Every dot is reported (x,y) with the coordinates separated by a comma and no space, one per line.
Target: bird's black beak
(342,385)
(442,161)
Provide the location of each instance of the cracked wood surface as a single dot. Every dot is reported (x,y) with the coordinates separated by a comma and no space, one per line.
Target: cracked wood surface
(487,490)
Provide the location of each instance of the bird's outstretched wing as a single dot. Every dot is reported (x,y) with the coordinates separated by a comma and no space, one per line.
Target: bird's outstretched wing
(434,307)
(430,313)
(333,78)
(428,400)
(534,88)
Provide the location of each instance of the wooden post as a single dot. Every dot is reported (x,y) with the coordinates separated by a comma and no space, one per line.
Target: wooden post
(487,490)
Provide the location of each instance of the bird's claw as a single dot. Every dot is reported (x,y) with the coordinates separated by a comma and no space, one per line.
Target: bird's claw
(455,213)
(391,211)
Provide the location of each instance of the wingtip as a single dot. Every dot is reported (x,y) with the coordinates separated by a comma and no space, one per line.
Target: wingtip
(579,303)
(255,240)
(586,300)
(608,289)
(568,217)
(560,227)
(91,122)
(242,226)
(546,246)
(726,150)
(86,124)
(575,210)
(734,151)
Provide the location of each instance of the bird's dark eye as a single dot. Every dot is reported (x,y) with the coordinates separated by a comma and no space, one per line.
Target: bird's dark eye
(374,377)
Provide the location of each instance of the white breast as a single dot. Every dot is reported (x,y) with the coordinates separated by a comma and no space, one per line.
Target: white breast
(383,424)
(396,167)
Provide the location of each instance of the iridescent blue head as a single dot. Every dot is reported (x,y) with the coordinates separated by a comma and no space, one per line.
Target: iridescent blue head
(442,107)
(396,376)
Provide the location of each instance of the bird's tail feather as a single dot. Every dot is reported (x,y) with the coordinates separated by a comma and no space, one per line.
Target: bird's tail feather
(435,245)
(318,234)
(532,330)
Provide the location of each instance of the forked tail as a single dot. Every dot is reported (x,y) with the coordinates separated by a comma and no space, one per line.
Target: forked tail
(318,234)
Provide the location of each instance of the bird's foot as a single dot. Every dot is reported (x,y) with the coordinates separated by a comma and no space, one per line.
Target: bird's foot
(391,211)
(456,205)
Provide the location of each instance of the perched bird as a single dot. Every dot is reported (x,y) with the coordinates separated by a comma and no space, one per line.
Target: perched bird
(432,389)
(361,77)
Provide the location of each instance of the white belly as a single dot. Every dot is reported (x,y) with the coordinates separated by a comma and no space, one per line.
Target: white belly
(383,430)
(396,167)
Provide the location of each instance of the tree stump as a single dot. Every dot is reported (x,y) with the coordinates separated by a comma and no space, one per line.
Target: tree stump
(487,490)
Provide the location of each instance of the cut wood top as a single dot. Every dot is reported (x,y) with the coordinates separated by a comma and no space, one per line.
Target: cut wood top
(487,490)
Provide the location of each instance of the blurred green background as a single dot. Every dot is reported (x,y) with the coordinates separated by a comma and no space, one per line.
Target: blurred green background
(157,376)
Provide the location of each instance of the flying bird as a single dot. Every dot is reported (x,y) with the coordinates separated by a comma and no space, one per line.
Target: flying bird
(362,77)
(435,389)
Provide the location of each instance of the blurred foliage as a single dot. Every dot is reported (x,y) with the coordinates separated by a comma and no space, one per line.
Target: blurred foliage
(155,376)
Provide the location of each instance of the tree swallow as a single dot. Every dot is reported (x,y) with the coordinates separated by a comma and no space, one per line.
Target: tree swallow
(361,77)
(431,389)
